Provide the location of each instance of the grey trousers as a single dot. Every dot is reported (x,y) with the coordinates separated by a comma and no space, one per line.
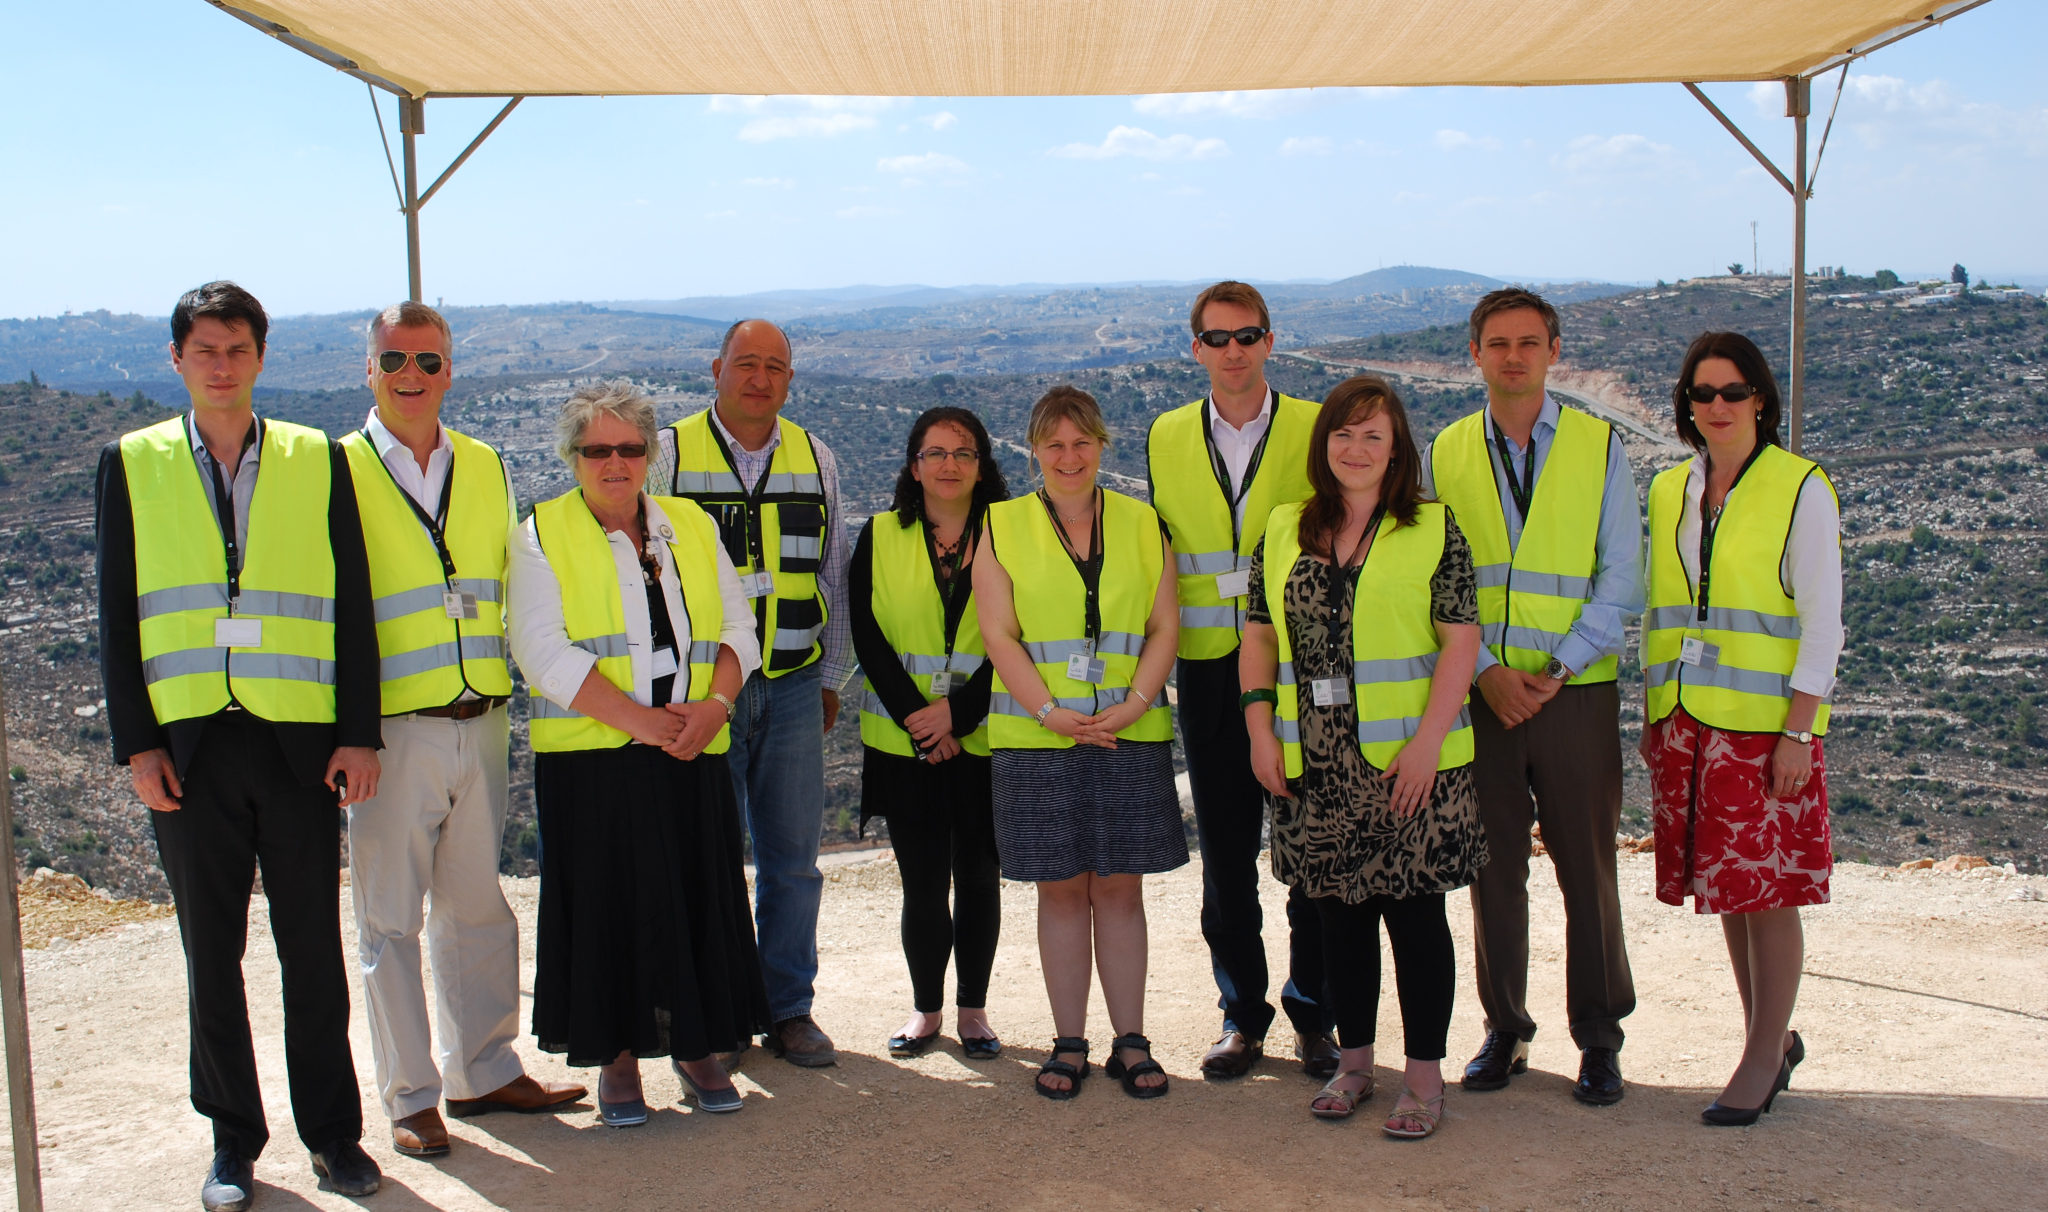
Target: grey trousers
(1563,769)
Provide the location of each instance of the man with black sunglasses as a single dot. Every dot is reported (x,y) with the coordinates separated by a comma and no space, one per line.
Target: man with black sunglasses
(1218,466)
(1545,496)
(437,509)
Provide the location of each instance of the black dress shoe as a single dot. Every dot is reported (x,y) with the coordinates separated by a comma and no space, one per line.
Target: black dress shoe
(904,1047)
(1500,1057)
(1718,1116)
(1793,1055)
(981,1047)
(347,1169)
(1599,1081)
(230,1183)
(1317,1052)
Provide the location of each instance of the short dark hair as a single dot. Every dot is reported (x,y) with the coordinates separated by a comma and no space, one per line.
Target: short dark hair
(1358,399)
(1241,293)
(909,502)
(725,342)
(223,301)
(1512,298)
(1755,370)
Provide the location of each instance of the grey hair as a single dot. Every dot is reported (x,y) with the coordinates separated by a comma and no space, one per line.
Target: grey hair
(617,398)
(407,315)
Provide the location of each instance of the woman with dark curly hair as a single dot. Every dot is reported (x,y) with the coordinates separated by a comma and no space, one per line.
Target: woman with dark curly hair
(925,758)
(1739,648)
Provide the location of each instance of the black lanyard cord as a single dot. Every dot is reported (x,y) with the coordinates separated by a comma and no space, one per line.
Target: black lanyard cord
(1521,489)
(1710,521)
(1233,497)
(1338,588)
(948,572)
(224,509)
(755,554)
(436,523)
(1090,568)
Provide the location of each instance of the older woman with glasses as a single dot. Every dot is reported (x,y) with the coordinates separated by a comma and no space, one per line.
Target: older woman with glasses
(634,635)
(925,756)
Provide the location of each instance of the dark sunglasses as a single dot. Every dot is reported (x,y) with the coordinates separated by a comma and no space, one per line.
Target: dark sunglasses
(1217,338)
(391,361)
(1734,393)
(625,450)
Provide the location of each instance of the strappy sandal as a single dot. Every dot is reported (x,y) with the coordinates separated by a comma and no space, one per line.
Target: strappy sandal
(1421,1114)
(1129,1074)
(1347,1100)
(1058,1068)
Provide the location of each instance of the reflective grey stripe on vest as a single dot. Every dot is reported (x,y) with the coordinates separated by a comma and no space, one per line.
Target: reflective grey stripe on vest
(918,665)
(209,596)
(428,597)
(1204,563)
(1210,616)
(788,640)
(688,482)
(282,667)
(1723,677)
(1552,584)
(1058,652)
(540,707)
(785,483)
(1535,639)
(1403,729)
(603,646)
(1289,731)
(443,655)
(274,604)
(1003,704)
(1393,669)
(1724,618)
(802,547)
(1286,673)
(1658,674)
(185,662)
(1492,576)
(703,652)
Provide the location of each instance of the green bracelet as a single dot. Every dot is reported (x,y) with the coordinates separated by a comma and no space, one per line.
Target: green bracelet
(1267,695)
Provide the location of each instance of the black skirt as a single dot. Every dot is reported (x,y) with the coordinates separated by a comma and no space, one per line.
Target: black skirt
(646,936)
(1060,812)
(908,789)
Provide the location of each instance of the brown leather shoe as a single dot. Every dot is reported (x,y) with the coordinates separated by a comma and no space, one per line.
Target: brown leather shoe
(521,1094)
(800,1042)
(421,1134)
(1317,1052)
(1232,1056)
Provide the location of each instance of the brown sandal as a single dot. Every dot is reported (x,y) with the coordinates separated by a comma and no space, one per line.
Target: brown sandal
(1347,1100)
(1421,1114)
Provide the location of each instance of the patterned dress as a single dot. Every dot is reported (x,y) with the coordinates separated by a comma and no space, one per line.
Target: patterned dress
(1721,836)
(1338,837)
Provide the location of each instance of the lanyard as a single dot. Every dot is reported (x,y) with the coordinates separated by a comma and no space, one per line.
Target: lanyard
(1710,522)
(755,558)
(436,523)
(955,570)
(1090,568)
(1222,469)
(1525,487)
(1337,589)
(224,508)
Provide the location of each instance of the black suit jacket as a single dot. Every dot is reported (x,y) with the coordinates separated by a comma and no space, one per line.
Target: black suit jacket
(130,717)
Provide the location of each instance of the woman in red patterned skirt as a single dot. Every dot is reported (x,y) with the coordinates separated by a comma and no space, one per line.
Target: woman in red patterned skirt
(1739,647)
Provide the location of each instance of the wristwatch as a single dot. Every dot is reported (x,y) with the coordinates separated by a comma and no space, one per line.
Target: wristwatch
(1557,671)
(726,703)
(1804,738)
(1044,711)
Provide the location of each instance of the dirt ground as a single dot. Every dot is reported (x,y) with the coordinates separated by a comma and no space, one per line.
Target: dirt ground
(1925,1012)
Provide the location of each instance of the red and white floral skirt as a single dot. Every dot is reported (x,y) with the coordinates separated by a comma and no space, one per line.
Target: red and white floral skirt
(1722,838)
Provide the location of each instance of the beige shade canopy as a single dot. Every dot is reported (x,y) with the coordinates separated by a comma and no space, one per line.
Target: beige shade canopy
(962,48)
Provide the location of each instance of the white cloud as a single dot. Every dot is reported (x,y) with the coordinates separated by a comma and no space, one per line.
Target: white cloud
(802,116)
(1457,140)
(1590,155)
(928,164)
(769,182)
(1262,103)
(1134,141)
(943,120)
(1307,145)
(1888,112)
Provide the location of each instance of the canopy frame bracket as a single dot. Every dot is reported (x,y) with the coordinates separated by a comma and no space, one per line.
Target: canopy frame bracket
(412,122)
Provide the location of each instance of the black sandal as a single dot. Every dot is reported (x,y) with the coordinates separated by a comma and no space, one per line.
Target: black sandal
(1060,1068)
(1129,1074)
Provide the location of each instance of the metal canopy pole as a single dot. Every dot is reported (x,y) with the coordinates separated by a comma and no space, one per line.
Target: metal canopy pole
(412,122)
(1798,105)
(21,1095)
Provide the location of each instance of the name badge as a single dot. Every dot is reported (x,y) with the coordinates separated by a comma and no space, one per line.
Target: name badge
(458,605)
(1697,652)
(1084,668)
(238,633)
(1234,584)
(945,680)
(758,584)
(664,662)
(1330,692)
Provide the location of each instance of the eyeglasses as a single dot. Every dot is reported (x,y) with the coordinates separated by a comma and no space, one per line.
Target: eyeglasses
(1734,393)
(391,361)
(934,456)
(625,450)
(1217,338)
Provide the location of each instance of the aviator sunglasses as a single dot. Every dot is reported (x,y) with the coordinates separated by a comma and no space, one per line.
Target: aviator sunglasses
(625,450)
(391,361)
(1217,338)
(1734,393)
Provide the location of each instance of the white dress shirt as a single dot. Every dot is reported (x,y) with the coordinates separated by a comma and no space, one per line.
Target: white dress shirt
(540,638)
(424,487)
(1812,566)
(1235,445)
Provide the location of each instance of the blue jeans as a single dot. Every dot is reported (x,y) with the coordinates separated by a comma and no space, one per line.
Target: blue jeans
(778,774)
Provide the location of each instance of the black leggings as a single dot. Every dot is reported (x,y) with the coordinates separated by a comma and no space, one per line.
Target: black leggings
(1425,968)
(935,850)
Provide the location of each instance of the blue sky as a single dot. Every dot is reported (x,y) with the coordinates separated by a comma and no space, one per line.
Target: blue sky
(153,144)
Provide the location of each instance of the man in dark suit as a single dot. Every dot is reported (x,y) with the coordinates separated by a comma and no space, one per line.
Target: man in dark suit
(240,659)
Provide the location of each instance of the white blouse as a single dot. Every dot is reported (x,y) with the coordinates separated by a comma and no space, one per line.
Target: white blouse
(540,639)
(1812,566)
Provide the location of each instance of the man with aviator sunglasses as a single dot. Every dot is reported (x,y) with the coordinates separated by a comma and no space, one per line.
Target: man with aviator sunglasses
(1218,466)
(437,509)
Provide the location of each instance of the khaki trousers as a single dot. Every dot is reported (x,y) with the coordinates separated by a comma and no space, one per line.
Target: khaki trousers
(1562,769)
(432,835)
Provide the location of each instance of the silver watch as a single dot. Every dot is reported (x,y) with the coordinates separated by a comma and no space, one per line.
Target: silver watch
(1557,671)
(1804,738)
(1044,711)
(727,703)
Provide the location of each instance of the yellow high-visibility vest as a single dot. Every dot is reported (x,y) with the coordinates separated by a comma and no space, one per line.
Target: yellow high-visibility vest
(781,531)
(912,617)
(1051,606)
(1394,644)
(286,582)
(1530,595)
(1188,492)
(1749,631)
(426,657)
(594,613)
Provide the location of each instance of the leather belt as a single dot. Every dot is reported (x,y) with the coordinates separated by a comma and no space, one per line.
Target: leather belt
(467,709)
